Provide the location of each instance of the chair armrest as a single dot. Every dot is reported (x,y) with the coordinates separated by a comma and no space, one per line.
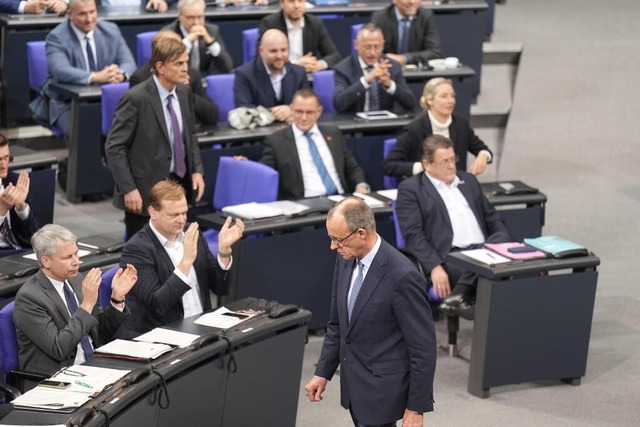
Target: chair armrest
(17,378)
(9,392)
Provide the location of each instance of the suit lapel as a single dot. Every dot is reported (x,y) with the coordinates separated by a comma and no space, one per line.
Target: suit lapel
(289,144)
(468,193)
(288,84)
(156,107)
(76,49)
(336,154)
(393,20)
(52,294)
(263,79)
(432,194)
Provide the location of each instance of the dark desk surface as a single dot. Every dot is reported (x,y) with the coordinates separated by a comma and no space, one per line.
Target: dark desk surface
(493,193)
(24,158)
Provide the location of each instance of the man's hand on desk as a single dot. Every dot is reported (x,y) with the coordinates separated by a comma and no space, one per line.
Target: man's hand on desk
(56,6)
(310,63)
(282,113)
(158,5)
(109,74)
(35,7)
(133,201)
(440,281)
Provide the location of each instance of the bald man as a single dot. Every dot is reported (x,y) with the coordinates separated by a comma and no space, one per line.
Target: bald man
(270,79)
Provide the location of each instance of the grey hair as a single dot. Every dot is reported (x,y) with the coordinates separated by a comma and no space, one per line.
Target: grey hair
(73,2)
(356,213)
(44,241)
(187,3)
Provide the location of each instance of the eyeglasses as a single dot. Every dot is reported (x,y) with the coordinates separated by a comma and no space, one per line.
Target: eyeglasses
(340,242)
(446,162)
(70,373)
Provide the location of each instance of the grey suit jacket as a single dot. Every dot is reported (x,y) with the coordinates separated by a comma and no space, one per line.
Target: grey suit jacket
(66,61)
(280,153)
(47,336)
(138,146)
(387,350)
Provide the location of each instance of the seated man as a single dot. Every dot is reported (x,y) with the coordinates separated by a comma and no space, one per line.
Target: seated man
(83,50)
(312,160)
(57,317)
(370,81)
(310,45)
(206,110)
(175,266)
(410,32)
(17,222)
(270,79)
(36,7)
(206,49)
(440,211)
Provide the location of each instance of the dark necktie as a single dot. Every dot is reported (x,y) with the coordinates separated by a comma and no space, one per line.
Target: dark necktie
(72,305)
(403,46)
(355,289)
(8,235)
(90,57)
(322,170)
(374,96)
(176,137)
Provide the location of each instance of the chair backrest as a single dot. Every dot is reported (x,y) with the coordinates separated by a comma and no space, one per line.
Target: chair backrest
(389,181)
(220,89)
(249,44)
(37,64)
(111,94)
(323,85)
(143,46)
(244,181)
(400,243)
(104,293)
(354,34)
(9,340)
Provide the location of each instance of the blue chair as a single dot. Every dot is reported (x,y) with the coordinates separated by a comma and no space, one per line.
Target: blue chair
(104,293)
(354,34)
(241,181)
(38,73)
(323,85)
(249,44)
(220,89)
(111,94)
(143,46)
(389,182)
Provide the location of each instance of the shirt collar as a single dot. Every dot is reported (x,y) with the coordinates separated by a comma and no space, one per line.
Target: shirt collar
(440,185)
(81,34)
(290,24)
(163,240)
(282,73)
(400,16)
(368,258)
(364,65)
(163,92)
(298,133)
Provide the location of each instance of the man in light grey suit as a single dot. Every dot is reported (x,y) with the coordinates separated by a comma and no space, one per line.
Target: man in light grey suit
(153,136)
(57,317)
(83,50)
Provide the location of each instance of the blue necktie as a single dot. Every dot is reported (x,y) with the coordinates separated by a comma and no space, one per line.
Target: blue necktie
(72,305)
(374,96)
(176,137)
(322,170)
(403,46)
(90,57)
(355,289)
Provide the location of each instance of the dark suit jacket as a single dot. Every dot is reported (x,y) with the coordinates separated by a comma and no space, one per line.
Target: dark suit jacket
(252,86)
(156,299)
(349,95)
(424,41)
(221,64)
(138,146)
(66,61)
(9,6)
(280,153)
(206,110)
(47,336)
(22,230)
(408,149)
(387,352)
(315,37)
(425,222)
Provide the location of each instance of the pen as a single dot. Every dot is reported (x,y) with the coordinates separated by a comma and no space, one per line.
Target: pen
(80,383)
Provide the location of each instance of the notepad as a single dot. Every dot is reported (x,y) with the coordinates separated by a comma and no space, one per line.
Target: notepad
(557,246)
(223,318)
(485,256)
(168,336)
(133,350)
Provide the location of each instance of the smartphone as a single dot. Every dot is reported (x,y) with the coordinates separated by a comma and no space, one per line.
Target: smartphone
(54,384)
(521,249)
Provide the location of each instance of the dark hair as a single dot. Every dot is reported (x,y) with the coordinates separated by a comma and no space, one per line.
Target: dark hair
(3,140)
(165,49)
(432,143)
(306,94)
(165,190)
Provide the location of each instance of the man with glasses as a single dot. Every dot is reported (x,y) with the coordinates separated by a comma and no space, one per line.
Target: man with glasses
(312,160)
(203,41)
(444,210)
(370,81)
(380,331)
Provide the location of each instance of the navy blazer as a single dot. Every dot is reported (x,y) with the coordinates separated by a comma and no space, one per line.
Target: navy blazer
(156,298)
(21,229)
(252,86)
(387,351)
(424,41)
(425,222)
(349,94)
(408,149)
(9,6)
(280,153)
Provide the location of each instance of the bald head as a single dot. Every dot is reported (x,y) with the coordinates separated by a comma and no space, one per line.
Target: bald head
(274,50)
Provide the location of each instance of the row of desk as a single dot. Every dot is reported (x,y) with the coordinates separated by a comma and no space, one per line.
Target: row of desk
(461,24)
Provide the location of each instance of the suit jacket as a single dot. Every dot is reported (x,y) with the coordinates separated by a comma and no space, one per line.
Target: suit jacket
(206,110)
(252,86)
(138,146)
(315,37)
(349,94)
(156,299)
(221,64)
(47,335)
(424,41)
(408,149)
(387,352)
(425,222)
(9,6)
(21,229)
(66,63)
(280,153)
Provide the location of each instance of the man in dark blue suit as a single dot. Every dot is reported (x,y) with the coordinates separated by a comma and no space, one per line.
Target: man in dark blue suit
(368,80)
(32,7)
(270,79)
(440,211)
(380,330)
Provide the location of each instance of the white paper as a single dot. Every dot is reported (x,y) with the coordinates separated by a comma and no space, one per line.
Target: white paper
(377,115)
(486,256)
(218,319)
(168,336)
(97,378)
(45,398)
(253,210)
(81,253)
(287,207)
(370,201)
(138,349)
(391,194)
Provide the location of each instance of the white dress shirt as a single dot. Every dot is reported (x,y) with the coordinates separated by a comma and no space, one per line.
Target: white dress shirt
(366,262)
(175,104)
(294,34)
(83,43)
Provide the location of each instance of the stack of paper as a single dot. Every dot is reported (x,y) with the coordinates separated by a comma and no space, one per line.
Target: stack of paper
(168,336)
(253,210)
(485,256)
(51,399)
(133,350)
(224,318)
